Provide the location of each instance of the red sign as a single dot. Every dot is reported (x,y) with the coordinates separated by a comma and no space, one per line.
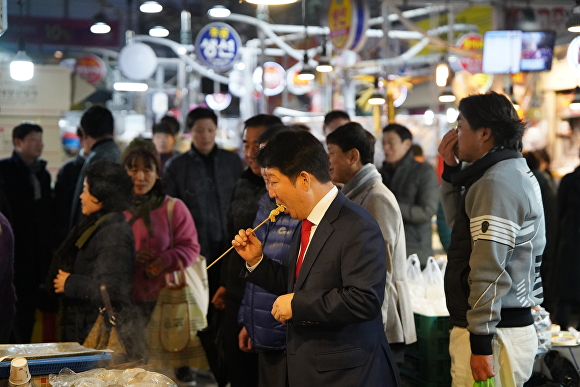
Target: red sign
(91,68)
(472,41)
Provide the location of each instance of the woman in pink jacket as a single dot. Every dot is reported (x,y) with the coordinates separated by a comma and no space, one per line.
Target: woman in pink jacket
(158,252)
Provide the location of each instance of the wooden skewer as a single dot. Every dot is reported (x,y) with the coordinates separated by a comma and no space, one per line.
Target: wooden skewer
(272,217)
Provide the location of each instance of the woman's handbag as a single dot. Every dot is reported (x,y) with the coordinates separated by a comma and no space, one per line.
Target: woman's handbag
(196,273)
(172,330)
(175,321)
(103,334)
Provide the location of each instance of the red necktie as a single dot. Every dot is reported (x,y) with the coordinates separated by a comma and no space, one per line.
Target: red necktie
(304,239)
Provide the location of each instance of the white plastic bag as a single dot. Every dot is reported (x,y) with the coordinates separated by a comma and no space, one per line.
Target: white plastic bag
(415,277)
(433,280)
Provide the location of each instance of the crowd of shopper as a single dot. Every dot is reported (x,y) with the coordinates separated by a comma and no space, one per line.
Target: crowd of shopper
(313,296)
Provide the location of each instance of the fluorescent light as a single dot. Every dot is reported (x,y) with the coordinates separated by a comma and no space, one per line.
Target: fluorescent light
(130,86)
(305,75)
(377,99)
(218,11)
(272,2)
(441,74)
(151,7)
(447,97)
(21,67)
(158,32)
(100,28)
(324,66)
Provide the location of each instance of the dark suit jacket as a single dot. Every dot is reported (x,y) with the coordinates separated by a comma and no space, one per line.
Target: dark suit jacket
(336,336)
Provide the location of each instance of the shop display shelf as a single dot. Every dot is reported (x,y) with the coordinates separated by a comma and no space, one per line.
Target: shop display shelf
(55,364)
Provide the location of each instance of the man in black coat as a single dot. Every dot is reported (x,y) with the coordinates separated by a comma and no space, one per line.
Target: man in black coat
(27,188)
(242,366)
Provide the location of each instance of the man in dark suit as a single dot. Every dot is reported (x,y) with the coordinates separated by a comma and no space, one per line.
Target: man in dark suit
(331,286)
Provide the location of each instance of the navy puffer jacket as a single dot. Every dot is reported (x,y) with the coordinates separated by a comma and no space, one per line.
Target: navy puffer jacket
(266,333)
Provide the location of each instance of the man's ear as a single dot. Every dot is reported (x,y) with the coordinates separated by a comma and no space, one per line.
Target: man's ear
(407,144)
(17,143)
(303,180)
(486,134)
(354,155)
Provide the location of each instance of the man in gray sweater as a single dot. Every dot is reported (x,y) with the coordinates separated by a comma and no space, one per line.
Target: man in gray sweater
(350,152)
(492,280)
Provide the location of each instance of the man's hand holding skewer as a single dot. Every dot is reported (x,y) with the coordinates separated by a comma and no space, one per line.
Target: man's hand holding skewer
(248,246)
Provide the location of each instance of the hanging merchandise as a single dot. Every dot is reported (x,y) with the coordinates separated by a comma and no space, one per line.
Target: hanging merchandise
(218,46)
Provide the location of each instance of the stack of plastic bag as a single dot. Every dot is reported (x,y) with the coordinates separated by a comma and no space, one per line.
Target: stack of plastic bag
(426,287)
(100,377)
(543,326)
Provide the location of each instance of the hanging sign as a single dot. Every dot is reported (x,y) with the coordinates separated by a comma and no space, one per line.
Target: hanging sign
(573,54)
(274,78)
(218,46)
(218,101)
(473,64)
(91,68)
(348,22)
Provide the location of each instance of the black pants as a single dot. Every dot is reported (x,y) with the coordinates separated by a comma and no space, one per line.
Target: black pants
(242,366)
(272,369)
(25,317)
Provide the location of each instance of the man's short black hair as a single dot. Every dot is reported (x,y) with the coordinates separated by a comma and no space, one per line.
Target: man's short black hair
(265,120)
(402,131)
(164,127)
(171,121)
(335,114)
(353,136)
(98,122)
(199,114)
(292,152)
(417,150)
(24,129)
(110,184)
(270,132)
(494,111)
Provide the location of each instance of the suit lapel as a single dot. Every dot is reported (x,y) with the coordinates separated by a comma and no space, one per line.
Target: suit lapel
(321,235)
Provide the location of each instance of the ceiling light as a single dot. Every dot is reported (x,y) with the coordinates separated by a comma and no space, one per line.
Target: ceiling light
(272,2)
(158,32)
(100,28)
(447,96)
(21,67)
(377,98)
(573,21)
(151,7)
(324,65)
(306,74)
(441,74)
(218,11)
(130,86)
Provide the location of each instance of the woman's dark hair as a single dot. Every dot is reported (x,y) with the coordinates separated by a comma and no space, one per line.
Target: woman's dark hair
(293,152)
(109,184)
(494,111)
(144,150)
(532,161)
(353,136)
